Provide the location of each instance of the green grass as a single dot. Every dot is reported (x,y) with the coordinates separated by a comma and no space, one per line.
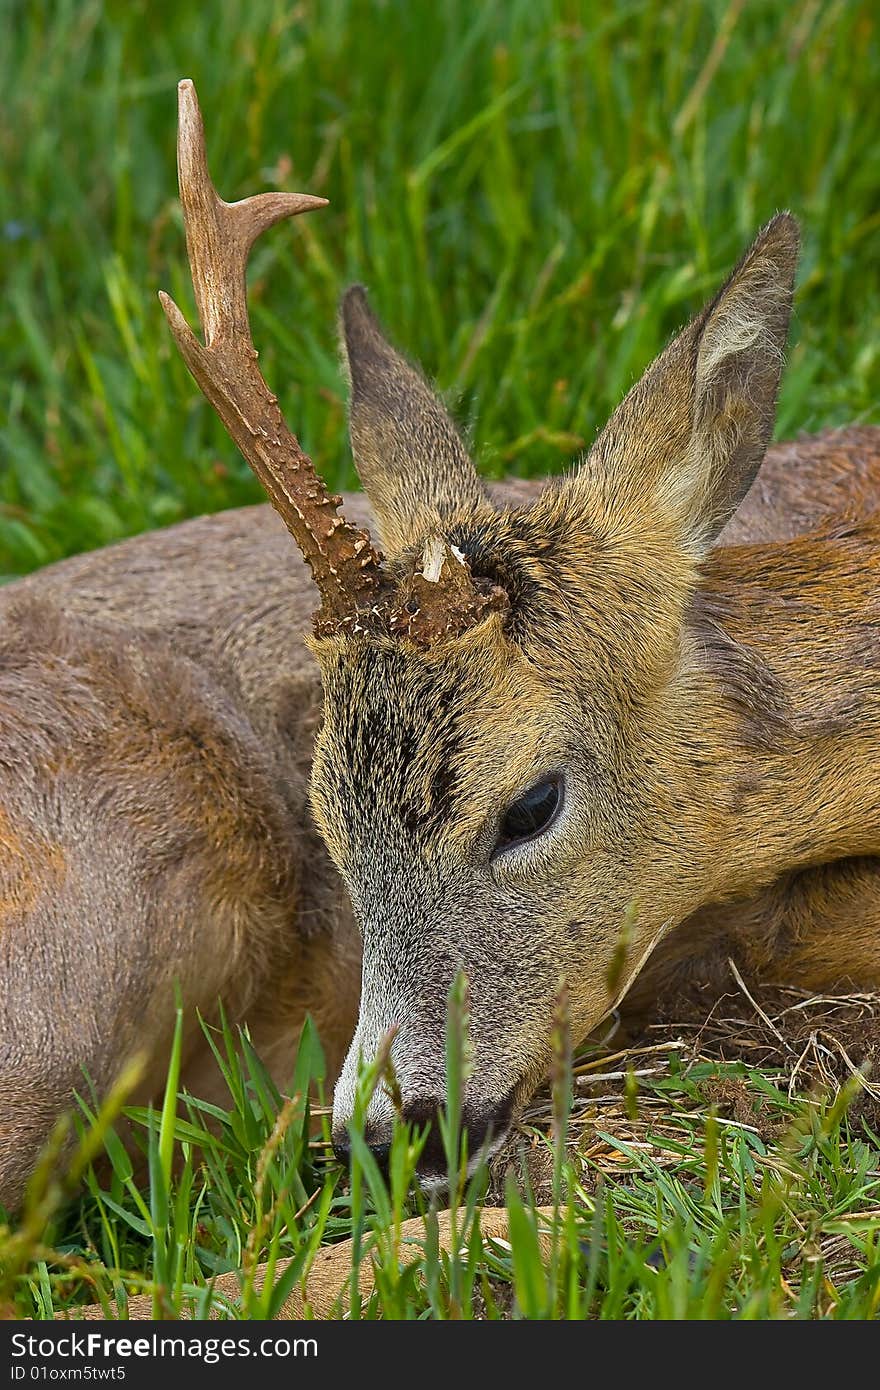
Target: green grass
(536,192)
(537,195)
(700,1216)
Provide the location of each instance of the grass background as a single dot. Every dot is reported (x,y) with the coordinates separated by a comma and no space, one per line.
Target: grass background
(537,193)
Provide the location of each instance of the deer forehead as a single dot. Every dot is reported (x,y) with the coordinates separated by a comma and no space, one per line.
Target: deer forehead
(429,745)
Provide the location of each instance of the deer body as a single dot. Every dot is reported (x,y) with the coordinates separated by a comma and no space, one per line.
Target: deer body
(185,646)
(550,712)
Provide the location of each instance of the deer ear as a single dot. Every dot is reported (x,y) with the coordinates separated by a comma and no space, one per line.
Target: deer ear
(408,454)
(690,436)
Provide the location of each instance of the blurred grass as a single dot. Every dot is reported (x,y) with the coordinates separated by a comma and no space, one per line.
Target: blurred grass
(537,193)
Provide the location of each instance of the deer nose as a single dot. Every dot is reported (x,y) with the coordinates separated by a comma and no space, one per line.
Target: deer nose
(480,1122)
(379,1148)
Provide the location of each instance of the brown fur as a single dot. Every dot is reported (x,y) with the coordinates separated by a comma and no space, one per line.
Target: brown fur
(29,867)
(716,712)
(789,932)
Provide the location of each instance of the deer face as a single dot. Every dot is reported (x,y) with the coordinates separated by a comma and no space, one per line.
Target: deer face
(496,804)
(484,817)
(517,800)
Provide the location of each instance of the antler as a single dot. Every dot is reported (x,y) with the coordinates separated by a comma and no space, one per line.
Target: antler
(345,565)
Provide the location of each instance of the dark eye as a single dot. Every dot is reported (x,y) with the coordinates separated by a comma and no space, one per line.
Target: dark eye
(531,814)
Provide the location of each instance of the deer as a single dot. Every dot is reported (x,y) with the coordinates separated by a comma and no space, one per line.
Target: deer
(607,728)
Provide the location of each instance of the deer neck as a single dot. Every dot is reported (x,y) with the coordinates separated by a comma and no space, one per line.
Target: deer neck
(789,636)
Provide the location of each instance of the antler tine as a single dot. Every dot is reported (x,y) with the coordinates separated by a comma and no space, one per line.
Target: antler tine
(219,235)
(345,565)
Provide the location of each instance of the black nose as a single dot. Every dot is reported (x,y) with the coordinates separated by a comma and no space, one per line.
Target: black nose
(426,1111)
(380,1150)
(481,1123)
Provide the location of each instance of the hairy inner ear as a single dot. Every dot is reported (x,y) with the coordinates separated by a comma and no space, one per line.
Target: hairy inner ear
(689,438)
(407,451)
(740,356)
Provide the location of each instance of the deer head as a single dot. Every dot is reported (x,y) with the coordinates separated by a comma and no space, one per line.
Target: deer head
(511,776)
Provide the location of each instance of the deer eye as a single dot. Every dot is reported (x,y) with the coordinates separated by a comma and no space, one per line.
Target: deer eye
(530,815)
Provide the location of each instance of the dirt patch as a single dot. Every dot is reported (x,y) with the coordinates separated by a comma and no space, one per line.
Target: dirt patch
(731,1097)
(813,1043)
(808,1045)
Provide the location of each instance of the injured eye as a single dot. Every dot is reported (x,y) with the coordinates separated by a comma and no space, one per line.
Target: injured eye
(530,815)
